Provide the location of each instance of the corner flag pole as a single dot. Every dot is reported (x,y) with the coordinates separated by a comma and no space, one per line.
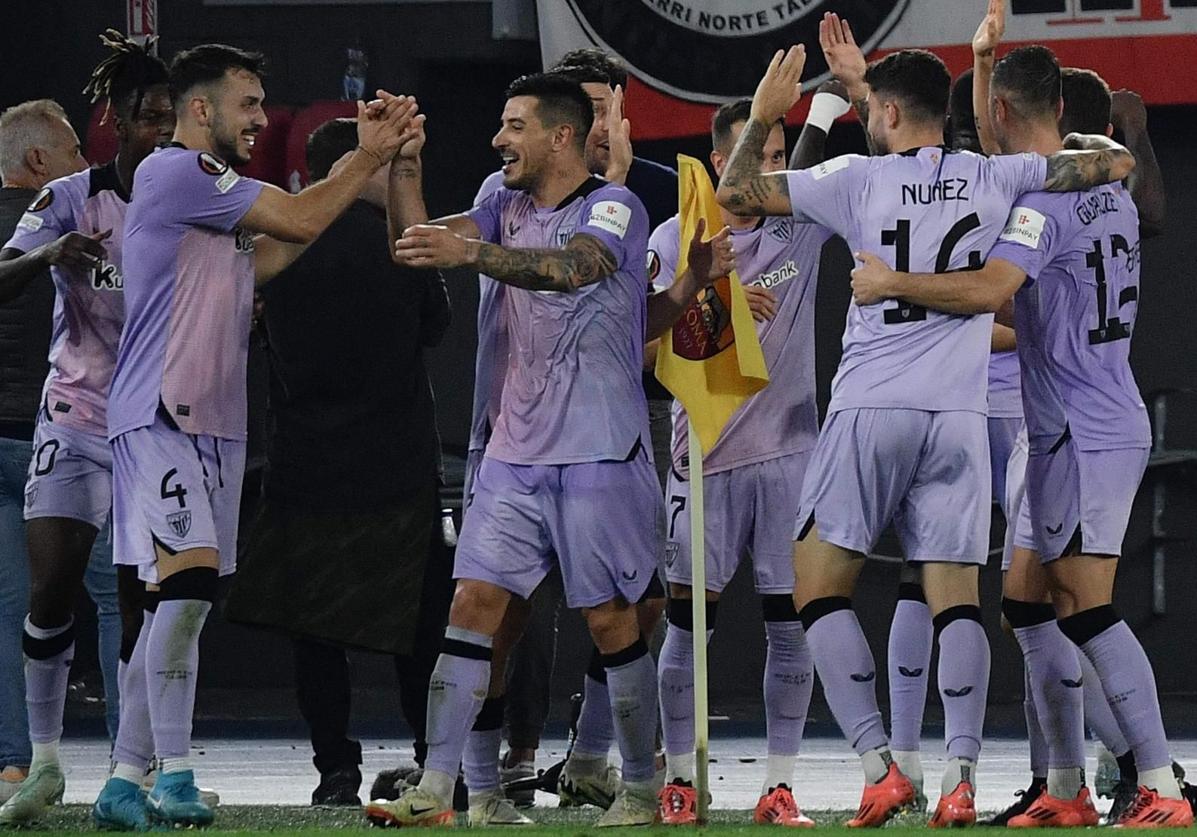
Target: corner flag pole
(698,592)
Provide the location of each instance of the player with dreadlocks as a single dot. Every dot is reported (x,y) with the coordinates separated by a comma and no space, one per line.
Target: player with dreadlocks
(74,226)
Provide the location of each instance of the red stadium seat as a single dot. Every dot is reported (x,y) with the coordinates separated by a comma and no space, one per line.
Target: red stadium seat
(307,120)
(269,160)
(99,147)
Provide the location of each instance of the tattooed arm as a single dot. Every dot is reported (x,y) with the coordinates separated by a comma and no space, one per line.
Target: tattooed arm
(743,190)
(1101,161)
(583,261)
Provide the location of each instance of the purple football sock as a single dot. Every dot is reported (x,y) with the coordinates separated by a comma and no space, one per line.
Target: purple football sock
(134,744)
(632,683)
(846,670)
(963,679)
(789,680)
(1056,683)
(171,665)
(909,660)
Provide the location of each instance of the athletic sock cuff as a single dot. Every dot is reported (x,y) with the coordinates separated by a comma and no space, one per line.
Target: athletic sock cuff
(192,584)
(468,644)
(680,612)
(630,654)
(778,608)
(44,643)
(1082,627)
(595,670)
(490,716)
(1022,614)
(911,592)
(954,614)
(816,609)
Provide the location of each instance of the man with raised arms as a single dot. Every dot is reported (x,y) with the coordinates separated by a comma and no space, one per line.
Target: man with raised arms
(905,438)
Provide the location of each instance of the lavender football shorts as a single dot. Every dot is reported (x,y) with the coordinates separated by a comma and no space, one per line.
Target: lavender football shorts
(1002,435)
(602,521)
(70,474)
(176,490)
(927,472)
(747,509)
(1018,519)
(1091,491)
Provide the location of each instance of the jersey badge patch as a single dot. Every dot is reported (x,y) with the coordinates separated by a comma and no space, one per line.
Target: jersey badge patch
(611,216)
(1024,227)
(41,200)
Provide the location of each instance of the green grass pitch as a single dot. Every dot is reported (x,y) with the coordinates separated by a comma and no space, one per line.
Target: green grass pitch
(251,819)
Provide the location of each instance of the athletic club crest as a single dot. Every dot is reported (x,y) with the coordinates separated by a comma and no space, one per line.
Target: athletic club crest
(682,47)
(179,523)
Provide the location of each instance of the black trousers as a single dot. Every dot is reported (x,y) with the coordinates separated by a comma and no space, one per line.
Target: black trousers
(323,684)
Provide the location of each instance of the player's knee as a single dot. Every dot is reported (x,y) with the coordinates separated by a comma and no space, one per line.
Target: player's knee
(191,584)
(950,585)
(478,606)
(613,626)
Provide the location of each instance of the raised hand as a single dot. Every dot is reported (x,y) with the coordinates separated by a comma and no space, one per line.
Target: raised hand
(844,58)
(1127,110)
(431,245)
(712,258)
(989,33)
(871,281)
(619,139)
(382,129)
(781,86)
(76,250)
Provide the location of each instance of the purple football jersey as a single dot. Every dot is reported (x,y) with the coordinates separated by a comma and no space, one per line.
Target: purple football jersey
(1074,316)
(491,360)
(189,284)
(924,211)
(782,255)
(572,389)
(1005,389)
(90,309)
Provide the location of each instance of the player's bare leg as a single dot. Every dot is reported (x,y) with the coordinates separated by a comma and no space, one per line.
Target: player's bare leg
(59,549)
(825,580)
(1082,591)
(632,685)
(908,658)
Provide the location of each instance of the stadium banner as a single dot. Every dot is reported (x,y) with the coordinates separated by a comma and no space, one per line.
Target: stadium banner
(686,56)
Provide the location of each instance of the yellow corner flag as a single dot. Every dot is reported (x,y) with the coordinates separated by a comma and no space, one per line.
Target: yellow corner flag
(711,360)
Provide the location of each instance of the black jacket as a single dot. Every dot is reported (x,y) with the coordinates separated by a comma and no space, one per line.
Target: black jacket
(352,418)
(25,327)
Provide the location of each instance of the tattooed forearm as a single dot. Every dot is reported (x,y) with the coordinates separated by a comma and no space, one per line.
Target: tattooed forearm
(1074,171)
(584,261)
(743,189)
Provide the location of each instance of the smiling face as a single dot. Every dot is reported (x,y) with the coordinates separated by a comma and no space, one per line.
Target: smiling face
(598,151)
(524,144)
(235,115)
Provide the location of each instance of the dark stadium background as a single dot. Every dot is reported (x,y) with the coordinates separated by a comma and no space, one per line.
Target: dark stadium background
(445,53)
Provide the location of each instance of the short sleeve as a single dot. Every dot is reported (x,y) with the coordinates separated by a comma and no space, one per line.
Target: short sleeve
(663,254)
(617,218)
(204,191)
(827,193)
(49,217)
(487,215)
(1017,174)
(1030,236)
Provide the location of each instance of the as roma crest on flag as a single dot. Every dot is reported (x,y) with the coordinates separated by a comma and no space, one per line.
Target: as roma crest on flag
(705,328)
(713,50)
